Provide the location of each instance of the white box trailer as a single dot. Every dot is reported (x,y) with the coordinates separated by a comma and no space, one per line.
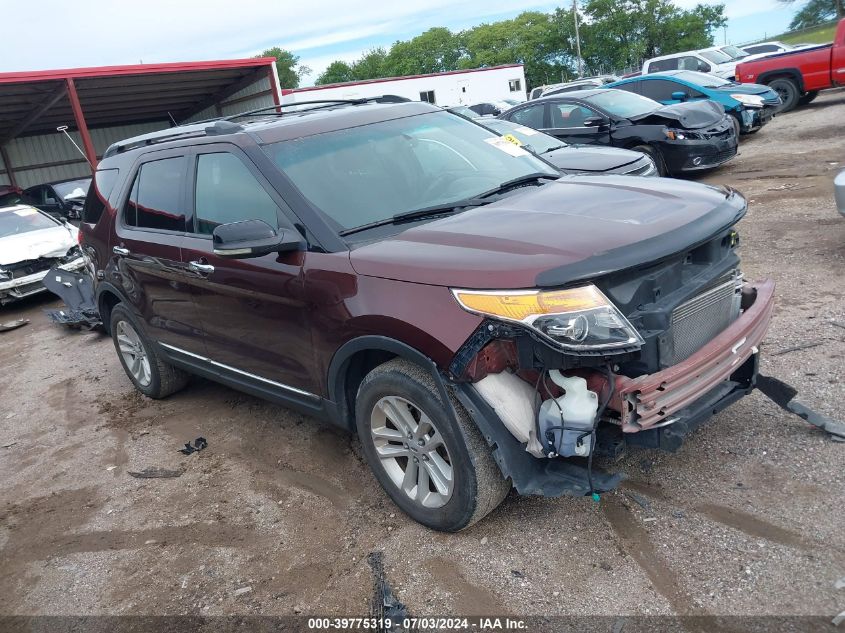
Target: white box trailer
(457,87)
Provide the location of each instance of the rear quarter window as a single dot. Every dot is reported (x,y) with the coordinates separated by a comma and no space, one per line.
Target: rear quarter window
(101,188)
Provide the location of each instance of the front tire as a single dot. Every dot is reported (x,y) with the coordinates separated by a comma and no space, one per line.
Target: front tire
(149,372)
(654,155)
(788,92)
(737,126)
(439,473)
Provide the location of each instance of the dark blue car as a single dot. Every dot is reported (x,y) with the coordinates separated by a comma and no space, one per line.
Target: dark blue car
(751,105)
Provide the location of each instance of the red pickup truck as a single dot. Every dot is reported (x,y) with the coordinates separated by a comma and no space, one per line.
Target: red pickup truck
(797,76)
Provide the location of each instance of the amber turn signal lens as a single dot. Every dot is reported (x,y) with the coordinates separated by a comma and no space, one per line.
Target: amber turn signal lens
(517,306)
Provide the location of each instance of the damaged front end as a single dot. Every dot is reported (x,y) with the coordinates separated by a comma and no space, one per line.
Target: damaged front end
(639,357)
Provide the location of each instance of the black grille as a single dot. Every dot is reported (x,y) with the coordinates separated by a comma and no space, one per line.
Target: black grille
(30,267)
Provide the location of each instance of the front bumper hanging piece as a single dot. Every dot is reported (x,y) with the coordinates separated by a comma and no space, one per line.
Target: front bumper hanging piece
(783,395)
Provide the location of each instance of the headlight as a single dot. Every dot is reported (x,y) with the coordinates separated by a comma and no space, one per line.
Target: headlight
(72,253)
(752,101)
(575,319)
(677,135)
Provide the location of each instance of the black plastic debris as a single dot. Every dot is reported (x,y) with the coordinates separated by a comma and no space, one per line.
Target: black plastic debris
(77,291)
(384,605)
(13,325)
(199,444)
(156,473)
(783,395)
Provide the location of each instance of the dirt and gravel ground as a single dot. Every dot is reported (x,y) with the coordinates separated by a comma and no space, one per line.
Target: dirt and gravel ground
(746,519)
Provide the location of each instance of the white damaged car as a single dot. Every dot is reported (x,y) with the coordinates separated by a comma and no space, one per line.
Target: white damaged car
(32,242)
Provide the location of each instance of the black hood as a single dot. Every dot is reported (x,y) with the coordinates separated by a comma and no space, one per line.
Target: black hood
(686,115)
(591,158)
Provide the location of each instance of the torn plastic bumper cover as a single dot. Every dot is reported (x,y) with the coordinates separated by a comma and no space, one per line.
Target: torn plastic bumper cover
(76,289)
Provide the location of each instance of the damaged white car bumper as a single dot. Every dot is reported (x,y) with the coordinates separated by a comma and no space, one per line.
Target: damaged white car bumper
(13,287)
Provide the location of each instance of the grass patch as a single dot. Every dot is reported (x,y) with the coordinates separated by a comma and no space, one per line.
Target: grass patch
(822,34)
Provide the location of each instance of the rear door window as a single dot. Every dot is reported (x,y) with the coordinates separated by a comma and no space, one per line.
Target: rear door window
(157,197)
(532,116)
(227,191)
(660,89)
(659,65)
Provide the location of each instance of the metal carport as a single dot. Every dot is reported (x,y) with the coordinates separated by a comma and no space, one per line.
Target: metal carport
(103,105)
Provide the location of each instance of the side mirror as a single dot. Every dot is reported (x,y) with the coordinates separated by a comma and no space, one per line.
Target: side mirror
(679,96)
(594,121)
(253,238)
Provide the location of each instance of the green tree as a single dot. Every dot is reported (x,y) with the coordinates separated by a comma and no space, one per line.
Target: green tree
(372,65)
(816,12)
(437,50)
(288,66)
(336,72)
(532,38)
(619,34)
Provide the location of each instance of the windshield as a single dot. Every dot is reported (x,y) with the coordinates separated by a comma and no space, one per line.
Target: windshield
(23,220)
(623,104)
(717,57)
(701,79)
(537,142)
(734,52)
(370,173)
(72,188)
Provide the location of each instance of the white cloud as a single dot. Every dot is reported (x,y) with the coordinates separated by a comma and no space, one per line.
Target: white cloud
(105,32)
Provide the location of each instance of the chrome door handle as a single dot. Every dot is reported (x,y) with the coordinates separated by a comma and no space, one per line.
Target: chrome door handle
(119,250)
(199,267)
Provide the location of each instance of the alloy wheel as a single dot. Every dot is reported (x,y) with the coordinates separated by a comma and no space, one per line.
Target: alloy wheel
(133,352)
(412,451)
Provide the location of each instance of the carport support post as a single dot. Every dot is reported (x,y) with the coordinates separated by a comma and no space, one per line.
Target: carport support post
(274,86)
(79,117)
(10,172)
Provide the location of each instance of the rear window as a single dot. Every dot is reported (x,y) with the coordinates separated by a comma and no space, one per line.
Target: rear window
(14,221)
(98,194)
(156,198)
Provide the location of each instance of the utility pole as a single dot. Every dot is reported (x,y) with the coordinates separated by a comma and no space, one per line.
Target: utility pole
(577,38)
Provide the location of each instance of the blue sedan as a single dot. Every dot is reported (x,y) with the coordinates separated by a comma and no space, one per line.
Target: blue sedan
(751,105)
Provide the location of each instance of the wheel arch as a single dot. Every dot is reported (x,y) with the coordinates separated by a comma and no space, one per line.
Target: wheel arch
(783,73)
(107,297)
(356,358)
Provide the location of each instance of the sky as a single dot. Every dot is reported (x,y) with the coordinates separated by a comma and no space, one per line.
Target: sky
(101,33)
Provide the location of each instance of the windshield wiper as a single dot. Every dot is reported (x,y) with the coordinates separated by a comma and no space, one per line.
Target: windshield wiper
(516,182)
(553,148)
(416,214)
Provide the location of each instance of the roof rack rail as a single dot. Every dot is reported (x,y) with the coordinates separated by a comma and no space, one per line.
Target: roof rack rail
(170,134)
(269,110)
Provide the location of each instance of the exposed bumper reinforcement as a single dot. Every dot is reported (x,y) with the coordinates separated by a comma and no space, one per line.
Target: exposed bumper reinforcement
(646,401)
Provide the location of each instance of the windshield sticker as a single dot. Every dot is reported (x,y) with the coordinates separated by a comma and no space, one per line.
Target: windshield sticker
(506,146)
(25,212)
(510,138)
(527,131)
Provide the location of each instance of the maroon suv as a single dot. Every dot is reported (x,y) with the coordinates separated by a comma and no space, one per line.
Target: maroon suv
(481,322)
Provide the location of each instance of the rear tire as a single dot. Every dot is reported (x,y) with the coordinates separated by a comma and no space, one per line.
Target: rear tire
(439,473)
(788,92)
(654,155)
(149,372)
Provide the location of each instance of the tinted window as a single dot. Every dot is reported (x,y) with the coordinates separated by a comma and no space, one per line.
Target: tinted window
(660,89)
(226,191)
(532,116)
(569,114)
(98,195)
(664,64)
(762,48)
(156,198)
(631,86)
